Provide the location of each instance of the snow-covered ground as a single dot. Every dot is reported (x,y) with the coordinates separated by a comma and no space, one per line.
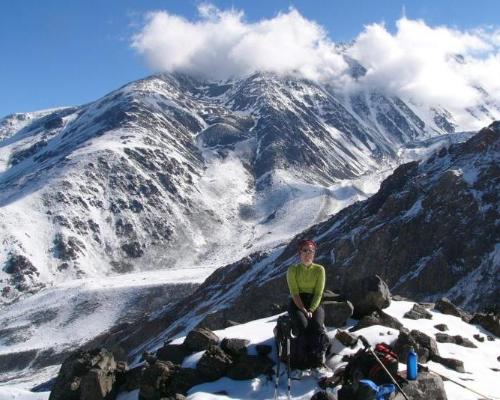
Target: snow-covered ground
(479,362)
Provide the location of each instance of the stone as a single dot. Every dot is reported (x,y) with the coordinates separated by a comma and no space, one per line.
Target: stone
(131,379)
(86,375)
(200,339)
(490,322)
(328,295)
(184,379)
(426,386)
(263,349)
(214,363)
(346,338)
(441,327)
(250,367)
(445,306)
(457,339)
(377,318)
(418,312)
(173,352)
(424,345)
(155,380)
(451,363)
(235,347)
(367,294)
(337,312)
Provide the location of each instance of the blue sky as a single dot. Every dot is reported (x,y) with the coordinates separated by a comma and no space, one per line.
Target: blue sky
(57,53)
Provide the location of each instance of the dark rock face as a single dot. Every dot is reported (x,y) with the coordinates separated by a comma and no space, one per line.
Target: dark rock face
(490,322)
(86,376)
(447,307)
(214,363)
(200,339)
(418,312)
(367,295)
(337,312)
(155,380)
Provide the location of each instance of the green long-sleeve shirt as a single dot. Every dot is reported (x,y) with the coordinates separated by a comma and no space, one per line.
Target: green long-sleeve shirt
(310,279)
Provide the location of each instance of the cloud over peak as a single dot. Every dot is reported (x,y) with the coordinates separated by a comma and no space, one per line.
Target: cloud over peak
(439,66)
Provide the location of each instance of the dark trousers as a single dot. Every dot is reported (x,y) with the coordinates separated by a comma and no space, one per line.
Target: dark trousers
(300,323)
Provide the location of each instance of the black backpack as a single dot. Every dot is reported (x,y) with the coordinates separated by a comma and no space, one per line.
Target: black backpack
(306,351)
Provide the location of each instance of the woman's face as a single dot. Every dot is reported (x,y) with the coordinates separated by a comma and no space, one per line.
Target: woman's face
(306,254)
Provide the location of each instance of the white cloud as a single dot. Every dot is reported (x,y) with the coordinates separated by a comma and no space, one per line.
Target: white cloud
(222,45)
(417,61)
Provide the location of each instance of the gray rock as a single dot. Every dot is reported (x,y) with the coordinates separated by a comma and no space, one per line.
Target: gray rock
(451,363)
(235,347)
(378,318)
(427,386)
(457,339)
(367,294)
(447,307)
(200,339)
(337,312)
(86,376)
(418,312)
(490,322)
(479,338)
(441,327)
(214,363)
(424,345)
(155,380)
(346,338)
(173,352)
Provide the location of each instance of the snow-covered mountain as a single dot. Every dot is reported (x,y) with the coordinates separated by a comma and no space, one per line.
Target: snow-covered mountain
(174,171)
(430,231)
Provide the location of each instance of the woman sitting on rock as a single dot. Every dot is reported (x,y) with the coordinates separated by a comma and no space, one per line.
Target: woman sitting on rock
(306,282)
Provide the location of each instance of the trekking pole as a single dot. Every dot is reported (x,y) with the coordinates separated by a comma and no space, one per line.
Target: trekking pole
(277,377)
(288,392)
(368,346)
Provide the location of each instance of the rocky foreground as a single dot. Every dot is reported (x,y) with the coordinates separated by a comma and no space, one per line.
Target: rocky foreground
(204,361)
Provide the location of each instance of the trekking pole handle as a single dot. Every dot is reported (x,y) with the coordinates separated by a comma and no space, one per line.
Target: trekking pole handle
(364,341)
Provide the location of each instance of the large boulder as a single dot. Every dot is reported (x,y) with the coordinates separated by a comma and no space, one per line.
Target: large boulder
(367,294)
(86,375)
(155,380)
(173,352)
(452,363)
(445,306)
(235,347)
(200,339)
(426,386)
(214,363)
(490,322)
(337,312)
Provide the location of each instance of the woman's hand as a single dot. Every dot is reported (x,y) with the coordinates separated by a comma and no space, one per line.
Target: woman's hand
(307,313)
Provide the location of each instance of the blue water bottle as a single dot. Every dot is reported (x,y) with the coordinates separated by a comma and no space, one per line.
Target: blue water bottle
(411,365)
